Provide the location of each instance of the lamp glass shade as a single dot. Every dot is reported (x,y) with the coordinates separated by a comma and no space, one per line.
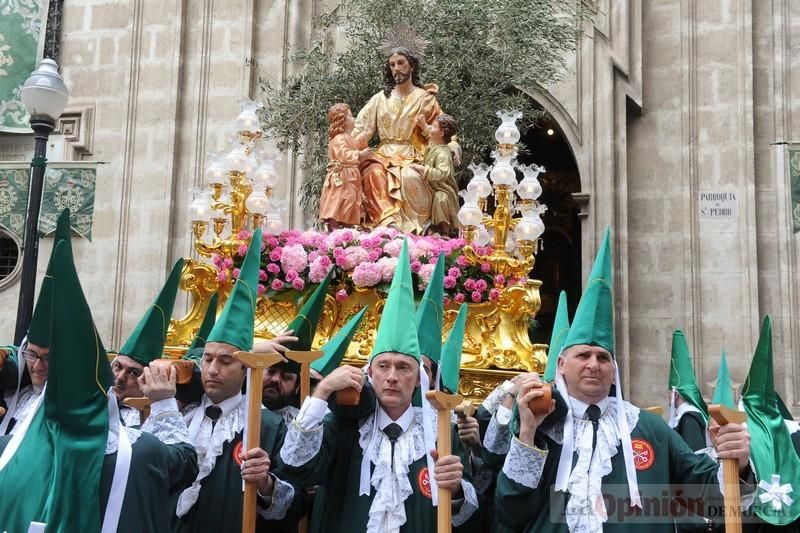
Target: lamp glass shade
(45,92)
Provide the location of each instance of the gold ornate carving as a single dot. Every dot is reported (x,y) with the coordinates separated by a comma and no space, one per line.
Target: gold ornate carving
(496,343)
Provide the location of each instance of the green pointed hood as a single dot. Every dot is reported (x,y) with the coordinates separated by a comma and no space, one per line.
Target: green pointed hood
(593,323)
(60,457)
(235,324)
(557,338)
(681,373)
(335,349)
(723,390)
(785,413)
(771,450)
(146,343)
(430,312)
(39,328)
(209,318)
(397,331)
(451,351)
(304,325)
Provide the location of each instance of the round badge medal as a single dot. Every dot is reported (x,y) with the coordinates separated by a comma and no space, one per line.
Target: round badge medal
(424,482)
(643,454)
(237,449)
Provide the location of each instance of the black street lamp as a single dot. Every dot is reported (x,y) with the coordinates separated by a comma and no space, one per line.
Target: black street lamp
(45,97)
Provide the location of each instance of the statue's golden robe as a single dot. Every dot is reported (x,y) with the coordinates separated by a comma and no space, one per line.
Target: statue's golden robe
(395,194)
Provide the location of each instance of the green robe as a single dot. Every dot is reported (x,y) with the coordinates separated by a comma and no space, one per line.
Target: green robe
(219,505)
(692,428)
(157,471)
(541,509)
(337,471)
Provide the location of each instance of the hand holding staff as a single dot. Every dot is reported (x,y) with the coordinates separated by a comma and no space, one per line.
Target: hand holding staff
(444,405)
(256,362)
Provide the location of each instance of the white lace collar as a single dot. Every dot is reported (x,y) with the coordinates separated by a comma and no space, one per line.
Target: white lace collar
(208,440)
(390,481)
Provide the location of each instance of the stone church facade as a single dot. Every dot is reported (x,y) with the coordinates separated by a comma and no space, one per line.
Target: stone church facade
(669,104)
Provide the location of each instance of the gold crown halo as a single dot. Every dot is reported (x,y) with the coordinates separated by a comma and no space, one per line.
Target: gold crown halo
(404,36)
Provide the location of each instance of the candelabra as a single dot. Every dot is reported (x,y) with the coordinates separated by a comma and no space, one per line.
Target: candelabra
(515,239)
(239,193)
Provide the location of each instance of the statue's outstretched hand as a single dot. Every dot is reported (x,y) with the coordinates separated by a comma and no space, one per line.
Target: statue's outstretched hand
(455,148)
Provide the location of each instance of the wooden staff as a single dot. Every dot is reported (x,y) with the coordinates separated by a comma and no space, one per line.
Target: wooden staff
(444,405)
(304,358)
(730,470)
(256,362)
(466,408)
(140,404)
(656,410)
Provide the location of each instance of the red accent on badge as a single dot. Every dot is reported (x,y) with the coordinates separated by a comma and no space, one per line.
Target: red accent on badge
(237,449)
(643,454)
(424,482)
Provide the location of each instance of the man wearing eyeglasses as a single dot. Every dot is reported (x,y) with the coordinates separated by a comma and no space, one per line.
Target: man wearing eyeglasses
(24,382)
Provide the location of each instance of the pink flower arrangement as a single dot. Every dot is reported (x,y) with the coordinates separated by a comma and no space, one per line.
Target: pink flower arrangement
(367,275)
(297,261)
(294,257)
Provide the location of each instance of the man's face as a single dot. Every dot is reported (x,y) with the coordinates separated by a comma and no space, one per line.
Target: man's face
(588,372)
(280,387)
(126,377)
(394,378)
(221,373)
(36,359)
(428,365)
(400,67)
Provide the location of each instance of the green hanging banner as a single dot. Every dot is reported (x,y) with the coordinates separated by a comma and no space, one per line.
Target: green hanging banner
(22,33)
(71,188)
(66,185)
(794,180)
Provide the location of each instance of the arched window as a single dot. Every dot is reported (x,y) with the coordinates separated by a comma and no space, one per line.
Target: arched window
(10,259)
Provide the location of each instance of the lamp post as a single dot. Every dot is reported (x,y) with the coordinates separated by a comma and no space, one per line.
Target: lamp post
(45,97)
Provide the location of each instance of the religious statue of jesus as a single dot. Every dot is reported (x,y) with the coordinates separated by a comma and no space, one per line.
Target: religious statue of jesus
(395,193)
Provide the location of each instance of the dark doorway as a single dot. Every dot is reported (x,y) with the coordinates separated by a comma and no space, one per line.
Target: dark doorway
(558,264)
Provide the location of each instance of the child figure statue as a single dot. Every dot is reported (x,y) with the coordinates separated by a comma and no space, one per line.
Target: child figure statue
(437,169)
(341,201)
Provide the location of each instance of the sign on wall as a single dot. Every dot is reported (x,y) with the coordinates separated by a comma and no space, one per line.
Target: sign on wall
(22,32)
(718,204)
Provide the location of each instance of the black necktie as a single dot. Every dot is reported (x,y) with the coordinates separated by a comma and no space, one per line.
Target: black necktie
(593,414)
(213,412)
(393,431)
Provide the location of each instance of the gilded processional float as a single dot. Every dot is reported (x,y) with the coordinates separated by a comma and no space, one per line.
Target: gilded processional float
(488,256)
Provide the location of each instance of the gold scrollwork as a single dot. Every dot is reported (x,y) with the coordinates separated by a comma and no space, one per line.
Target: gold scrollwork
(496,342)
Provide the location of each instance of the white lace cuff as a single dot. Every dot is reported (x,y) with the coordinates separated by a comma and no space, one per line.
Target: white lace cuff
(468,506)
(498,437)
(166,423)
(503,415)
(524,464)
(161,406)
(301,445)
(493,400)
(282,498)
(311,413)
